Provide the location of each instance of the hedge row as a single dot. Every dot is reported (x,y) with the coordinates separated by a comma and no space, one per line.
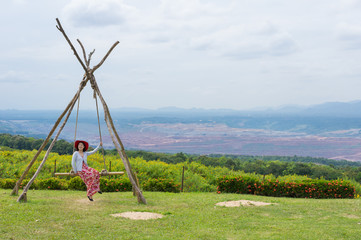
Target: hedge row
(313,188)
(106,185)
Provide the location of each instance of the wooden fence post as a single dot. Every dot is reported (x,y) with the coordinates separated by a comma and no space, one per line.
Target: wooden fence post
(182,180)
(54,168)
(110,168)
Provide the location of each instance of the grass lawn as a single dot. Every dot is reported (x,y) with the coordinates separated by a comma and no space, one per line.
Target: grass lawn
(69,215)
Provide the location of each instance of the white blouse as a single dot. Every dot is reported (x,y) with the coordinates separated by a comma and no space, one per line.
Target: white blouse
(77,161)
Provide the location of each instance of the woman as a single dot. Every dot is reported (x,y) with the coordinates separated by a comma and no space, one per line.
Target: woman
(89,175)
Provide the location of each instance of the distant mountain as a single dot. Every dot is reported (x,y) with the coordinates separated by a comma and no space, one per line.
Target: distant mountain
(337,108)
(334,109)
(329,109)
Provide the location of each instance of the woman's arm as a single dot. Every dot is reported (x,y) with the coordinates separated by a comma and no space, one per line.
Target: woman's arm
(73,164)
(95,150)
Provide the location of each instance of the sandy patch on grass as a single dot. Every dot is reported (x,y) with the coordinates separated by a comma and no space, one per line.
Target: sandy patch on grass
(243,203)
(84,201)
(350,216)
(138,215)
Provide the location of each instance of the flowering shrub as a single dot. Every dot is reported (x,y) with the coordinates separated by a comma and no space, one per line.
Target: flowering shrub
(115,185)
(112,185)
(311,188)
(7,183)
(160,185)
(76,184)
(52,184)
(106,185)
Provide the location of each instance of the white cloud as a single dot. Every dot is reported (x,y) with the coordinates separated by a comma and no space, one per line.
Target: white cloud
(94,13)
(195,9)
(12,76)
(19,2)
(350,35)
(184,25)
(246,41)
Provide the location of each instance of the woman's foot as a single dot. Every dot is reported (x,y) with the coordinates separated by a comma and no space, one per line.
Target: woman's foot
(90,198)
(100,192)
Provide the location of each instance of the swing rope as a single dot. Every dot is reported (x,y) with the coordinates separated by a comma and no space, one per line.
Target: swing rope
(100,133)
(104,172)
(76,123)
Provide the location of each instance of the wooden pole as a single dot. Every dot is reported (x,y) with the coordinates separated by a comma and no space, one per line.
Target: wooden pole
(182,179)
(110,168)
(60,28)
(18,183)
(23,196)
(121,151)
(113,128)
(54,168)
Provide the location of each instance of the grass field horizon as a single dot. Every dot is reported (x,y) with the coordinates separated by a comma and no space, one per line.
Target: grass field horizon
(50,214)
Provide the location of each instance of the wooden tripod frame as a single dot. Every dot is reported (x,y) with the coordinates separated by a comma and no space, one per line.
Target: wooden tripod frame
(88,76)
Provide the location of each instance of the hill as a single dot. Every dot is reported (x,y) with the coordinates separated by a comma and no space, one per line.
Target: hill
(330,130)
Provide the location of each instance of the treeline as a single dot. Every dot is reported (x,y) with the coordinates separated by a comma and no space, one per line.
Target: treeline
(252,164)
(28,143)
(325,161)
(264,165)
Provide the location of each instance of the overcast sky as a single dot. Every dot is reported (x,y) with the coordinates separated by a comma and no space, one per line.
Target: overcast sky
(237,54)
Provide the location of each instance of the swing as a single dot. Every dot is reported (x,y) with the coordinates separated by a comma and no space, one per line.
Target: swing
(104,172)
(88,77)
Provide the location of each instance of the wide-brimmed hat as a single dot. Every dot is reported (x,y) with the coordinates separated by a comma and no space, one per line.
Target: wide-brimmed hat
(86,145)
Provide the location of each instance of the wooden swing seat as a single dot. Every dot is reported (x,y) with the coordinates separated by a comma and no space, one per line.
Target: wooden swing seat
(102,173)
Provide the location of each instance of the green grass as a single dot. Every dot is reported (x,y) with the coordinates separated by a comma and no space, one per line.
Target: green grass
(69,215)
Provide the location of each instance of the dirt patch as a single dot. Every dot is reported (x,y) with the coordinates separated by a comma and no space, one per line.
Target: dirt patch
(350,216)
(85,201)
(138,215)
(238,203)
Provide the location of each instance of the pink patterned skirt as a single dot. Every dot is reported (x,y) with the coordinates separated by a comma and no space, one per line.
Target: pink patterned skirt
(90,177)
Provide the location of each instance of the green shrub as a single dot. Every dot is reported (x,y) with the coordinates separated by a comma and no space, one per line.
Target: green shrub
(51,183)
(196,183)
(310,188)
(76,184)
(115,185)
(356,184)
(7,183)
(160,185)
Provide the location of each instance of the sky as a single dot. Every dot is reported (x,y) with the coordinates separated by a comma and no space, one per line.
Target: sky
(235,54)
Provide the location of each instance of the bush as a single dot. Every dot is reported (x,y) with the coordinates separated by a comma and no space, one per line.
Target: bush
(115,185)
(76,184)
(7,183)
(52,183)
(312,188)
(160,185)
(196,183)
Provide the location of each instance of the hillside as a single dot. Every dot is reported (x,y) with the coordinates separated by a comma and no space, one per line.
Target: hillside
(330,130)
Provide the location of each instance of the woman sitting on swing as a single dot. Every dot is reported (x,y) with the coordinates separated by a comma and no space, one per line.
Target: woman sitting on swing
(89,175)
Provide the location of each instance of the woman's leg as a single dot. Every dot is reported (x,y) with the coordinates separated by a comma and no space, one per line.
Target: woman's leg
(95,183)
(90,177)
